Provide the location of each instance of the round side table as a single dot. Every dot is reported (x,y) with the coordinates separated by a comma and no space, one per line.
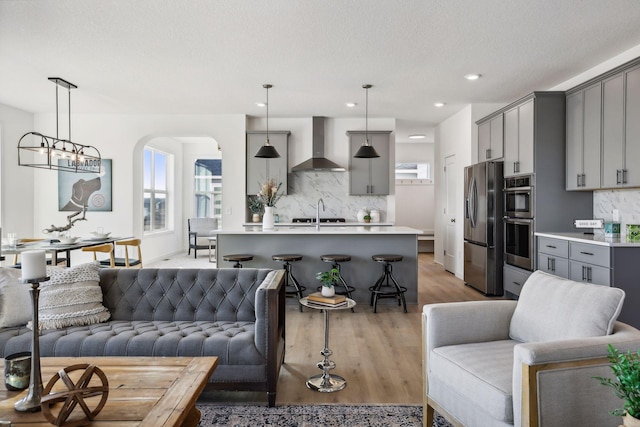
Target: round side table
(326,382)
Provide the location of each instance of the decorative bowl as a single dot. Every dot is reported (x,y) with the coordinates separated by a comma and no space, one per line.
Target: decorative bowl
(67,240)
(100,235)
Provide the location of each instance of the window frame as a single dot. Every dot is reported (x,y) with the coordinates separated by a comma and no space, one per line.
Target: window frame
(154,192)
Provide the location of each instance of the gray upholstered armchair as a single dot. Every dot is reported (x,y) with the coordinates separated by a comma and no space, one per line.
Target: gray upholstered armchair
(200,230)
(525,363)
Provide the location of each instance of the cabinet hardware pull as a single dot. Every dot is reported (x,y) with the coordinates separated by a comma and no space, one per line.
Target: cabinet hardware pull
(578,180)
(553,265)
(624,176)
(618,180)
(549,264)
(551,246)
(586,253)
(588,274)
(584,180)
(488,153)
(516,283)
(584,275)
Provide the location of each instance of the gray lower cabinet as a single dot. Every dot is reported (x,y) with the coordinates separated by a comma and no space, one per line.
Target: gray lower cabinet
(616,266)
(513,279)
(369,176)
(259,169)
(553,256)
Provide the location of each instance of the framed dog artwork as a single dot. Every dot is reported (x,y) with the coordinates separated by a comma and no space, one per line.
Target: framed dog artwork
(92,190)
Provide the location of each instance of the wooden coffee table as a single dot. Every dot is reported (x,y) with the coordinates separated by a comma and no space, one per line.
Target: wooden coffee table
(143,391)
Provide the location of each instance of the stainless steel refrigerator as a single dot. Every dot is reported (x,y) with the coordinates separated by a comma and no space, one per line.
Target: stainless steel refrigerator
(483,229)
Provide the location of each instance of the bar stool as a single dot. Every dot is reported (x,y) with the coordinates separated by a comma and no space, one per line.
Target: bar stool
(396,291)
(335,261)
(289,279)
(237,258)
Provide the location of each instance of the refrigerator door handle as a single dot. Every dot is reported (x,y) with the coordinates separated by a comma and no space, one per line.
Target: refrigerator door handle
(474,203)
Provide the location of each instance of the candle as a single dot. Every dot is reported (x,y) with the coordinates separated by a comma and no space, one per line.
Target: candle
(34,265)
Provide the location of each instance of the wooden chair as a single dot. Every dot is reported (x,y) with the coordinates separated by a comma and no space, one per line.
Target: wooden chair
(16,257)
(106,248)
(127,262)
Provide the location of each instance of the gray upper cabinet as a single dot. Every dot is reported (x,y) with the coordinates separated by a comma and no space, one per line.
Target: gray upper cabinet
(613,131)
(603,130)
(259,169)
(369,176)
(491,139)
(519,139)
(584,109)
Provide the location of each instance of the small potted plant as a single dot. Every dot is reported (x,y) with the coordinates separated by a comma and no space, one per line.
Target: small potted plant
(255,206)
(626,384)
(328,280)
(367,218)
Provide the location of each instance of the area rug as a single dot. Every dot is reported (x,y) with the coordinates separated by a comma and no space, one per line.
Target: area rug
(314,416)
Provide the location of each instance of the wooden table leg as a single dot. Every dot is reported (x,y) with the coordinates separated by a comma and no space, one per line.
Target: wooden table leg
(193,418)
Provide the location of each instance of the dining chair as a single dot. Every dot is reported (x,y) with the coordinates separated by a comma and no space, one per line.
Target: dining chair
(127,262)
(106,248)
(16,256)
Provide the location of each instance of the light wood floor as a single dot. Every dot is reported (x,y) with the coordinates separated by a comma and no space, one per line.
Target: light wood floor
(378,354)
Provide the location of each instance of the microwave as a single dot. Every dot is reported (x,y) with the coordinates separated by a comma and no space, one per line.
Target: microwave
(519,197)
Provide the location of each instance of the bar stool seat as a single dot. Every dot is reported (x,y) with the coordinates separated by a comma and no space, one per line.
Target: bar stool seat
(335,260)
(289,280)
(237,258)
(382,288)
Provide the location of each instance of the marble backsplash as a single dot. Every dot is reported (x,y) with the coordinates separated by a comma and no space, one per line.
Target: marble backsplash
(305,188)
(627,202)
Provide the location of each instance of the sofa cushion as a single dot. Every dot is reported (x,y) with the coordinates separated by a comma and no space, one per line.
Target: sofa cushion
(486,371)
(232,342)
(552,308)
(15,301)
(71,297)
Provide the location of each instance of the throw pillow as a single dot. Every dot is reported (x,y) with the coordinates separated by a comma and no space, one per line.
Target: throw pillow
(15,301)
(71,297)
(552,308)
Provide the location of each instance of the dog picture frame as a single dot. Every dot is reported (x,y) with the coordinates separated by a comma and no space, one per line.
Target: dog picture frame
(92,189)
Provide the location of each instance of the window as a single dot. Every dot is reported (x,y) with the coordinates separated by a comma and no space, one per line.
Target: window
(208,188)
(414,171)
(156,165)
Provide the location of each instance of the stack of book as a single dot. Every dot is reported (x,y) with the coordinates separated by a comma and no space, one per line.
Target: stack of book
(318,299)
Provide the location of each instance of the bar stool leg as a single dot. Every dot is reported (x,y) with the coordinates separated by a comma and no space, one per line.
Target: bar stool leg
(384,279)
(237,265)
(290,280)
(347,290)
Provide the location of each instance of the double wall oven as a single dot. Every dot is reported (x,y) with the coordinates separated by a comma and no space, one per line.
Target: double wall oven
(519,222)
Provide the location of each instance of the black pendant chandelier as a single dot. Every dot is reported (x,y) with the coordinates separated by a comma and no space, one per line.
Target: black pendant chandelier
(267,151)
(46,152)
(366,151)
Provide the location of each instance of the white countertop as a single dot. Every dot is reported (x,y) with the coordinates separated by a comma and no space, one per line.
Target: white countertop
(323,224)
(325,229)
(598,238)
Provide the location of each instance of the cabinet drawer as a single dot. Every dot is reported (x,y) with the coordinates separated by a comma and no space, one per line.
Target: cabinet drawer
(553,265)
(555,247)
(590,254)
(514,279)
(581,272)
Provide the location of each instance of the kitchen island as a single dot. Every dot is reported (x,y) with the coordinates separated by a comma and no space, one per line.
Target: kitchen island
(360,242)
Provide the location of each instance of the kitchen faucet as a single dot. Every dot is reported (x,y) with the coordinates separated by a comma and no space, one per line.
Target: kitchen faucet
(318,213)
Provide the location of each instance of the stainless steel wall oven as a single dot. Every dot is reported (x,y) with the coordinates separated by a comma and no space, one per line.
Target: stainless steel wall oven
(519,221)
(519,197)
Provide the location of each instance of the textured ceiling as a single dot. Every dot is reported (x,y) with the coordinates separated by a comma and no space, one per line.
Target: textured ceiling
(212,56)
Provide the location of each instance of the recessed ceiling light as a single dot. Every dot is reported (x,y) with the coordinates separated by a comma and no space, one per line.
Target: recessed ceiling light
(417,136)
(350,104)
(261,104)
(472,76)
(438,104)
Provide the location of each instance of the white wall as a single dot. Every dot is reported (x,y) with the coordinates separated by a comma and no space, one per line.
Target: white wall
(17,195)
(415,203)
(122,139)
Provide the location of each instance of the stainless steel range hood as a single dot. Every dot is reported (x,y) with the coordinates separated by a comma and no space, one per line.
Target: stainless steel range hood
(318,162)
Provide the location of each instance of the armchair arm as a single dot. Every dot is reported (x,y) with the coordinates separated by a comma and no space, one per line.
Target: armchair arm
(547,372)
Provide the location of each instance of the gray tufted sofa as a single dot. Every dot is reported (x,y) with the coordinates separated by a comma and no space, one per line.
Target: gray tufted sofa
(235,314)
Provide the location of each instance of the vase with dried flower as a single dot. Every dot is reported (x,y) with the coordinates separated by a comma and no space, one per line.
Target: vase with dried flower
(269,195)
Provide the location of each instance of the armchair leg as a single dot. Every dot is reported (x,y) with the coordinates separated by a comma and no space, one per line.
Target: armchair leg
(271,396)
(427,417)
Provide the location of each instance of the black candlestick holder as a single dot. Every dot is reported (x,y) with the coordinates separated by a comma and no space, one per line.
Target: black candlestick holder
(31,402)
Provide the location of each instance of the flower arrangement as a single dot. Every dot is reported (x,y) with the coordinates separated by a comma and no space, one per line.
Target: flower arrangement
(268,194)
(255,205)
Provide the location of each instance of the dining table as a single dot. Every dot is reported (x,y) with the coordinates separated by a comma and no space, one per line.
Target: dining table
(53,246)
